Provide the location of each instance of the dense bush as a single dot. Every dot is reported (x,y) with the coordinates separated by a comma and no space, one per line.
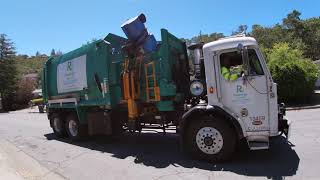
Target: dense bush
(24,93)
(294,75)
(19,98)
(7,101)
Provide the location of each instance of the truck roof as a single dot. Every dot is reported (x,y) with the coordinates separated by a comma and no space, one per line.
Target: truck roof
(229,42)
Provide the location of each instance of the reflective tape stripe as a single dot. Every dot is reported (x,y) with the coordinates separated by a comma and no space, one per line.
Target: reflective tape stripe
(233,77)
(225,73)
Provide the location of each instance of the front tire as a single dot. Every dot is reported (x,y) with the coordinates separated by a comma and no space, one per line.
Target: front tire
(75,130)
(210,139)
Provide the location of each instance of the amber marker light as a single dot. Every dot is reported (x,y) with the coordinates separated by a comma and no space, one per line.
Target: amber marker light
(211,90)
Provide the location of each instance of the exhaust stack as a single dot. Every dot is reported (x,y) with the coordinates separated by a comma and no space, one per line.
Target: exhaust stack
(197,59)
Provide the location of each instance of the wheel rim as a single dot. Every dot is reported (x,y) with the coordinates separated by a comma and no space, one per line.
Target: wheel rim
(57,124)
(73,127)
(209,140)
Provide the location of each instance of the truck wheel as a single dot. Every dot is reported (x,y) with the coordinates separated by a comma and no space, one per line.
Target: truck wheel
(210,139)
(75,130)
(58,126)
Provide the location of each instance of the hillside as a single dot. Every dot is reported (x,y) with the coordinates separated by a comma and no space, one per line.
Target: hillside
(26,65)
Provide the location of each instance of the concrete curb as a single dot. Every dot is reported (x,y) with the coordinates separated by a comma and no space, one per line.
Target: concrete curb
(302,107)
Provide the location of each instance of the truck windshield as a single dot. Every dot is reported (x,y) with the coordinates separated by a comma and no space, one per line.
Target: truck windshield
(255,66)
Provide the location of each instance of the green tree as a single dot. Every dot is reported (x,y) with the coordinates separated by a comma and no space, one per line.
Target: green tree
(311,38)
(59,53)
(53,52)
(89,42)
(268,36)
(242,29)
(294,74)
(8,71)
(293,23)
(281,54)
(205,38)
(305,32)
(7,49)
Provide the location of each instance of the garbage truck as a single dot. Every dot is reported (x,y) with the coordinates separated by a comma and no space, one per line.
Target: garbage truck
(121,85)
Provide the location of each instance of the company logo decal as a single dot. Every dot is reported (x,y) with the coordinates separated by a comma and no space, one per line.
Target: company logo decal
(69,66)
(240,95)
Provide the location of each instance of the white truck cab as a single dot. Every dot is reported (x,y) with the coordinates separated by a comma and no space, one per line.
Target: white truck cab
(246,103)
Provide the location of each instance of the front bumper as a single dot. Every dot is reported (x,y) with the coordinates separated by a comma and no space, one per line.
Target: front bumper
(284,125)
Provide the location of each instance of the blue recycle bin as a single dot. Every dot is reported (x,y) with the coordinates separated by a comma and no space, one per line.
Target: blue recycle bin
(134,27)
(137,33)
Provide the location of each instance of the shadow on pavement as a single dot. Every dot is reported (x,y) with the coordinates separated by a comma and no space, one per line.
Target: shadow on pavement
(156,150)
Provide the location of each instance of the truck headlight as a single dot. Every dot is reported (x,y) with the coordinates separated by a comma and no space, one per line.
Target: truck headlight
(196,88)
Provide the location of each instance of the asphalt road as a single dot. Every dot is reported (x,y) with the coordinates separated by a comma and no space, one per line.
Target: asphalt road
(154,156)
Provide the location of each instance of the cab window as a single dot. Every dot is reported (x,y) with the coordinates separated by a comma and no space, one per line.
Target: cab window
(231,65)
(230,59)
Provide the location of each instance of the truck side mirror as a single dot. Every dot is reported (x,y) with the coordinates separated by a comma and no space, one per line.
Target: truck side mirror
(245,58)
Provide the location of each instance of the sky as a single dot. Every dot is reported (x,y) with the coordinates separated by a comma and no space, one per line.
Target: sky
(41,25)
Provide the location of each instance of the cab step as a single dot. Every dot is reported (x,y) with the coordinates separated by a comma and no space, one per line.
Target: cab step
(256,145)
(258,142)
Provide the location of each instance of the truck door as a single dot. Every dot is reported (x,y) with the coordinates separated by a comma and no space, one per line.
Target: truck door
(246,96)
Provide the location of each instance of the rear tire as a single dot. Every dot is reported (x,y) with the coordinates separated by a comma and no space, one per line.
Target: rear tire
(75,130)
(210,139)
(58,126)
